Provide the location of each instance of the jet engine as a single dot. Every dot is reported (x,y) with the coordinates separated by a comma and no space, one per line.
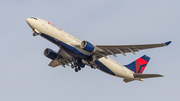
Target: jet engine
(87,46)
(50,53)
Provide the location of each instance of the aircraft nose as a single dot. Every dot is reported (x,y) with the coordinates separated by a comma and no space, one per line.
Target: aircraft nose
(28,20)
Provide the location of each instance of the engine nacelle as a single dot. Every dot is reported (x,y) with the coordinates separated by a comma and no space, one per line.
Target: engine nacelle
(50,53)
(87,46)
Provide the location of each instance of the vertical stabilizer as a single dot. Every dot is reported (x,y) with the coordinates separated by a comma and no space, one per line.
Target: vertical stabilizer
(139,65)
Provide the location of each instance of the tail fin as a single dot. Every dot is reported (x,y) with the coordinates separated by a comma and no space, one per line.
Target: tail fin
(139,65)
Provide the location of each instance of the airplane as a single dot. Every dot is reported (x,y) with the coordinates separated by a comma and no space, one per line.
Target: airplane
(77,54)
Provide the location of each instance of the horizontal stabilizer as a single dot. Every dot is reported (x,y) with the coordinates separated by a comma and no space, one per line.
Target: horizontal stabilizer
(147,75)
(128,80)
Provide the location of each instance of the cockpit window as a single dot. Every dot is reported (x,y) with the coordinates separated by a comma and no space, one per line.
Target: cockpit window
(34,18)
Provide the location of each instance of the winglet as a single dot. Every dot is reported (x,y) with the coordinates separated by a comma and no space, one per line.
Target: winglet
(167,43)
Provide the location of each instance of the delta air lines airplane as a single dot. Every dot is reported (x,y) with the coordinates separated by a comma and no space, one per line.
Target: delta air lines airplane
(76,53)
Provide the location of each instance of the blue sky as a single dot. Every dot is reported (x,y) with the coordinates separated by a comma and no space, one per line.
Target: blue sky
(26,76)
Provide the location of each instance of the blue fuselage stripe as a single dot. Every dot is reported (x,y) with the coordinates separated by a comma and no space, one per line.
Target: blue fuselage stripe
(76,53)
(104,68)
(69,49)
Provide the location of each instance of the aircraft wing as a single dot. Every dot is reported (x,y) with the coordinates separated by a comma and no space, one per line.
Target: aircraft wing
(122,49)
(63,62)
(54,63)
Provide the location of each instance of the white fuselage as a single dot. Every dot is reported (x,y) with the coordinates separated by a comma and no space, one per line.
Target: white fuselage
(60,37)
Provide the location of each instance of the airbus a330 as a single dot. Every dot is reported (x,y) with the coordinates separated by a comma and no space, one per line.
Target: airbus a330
(76,53)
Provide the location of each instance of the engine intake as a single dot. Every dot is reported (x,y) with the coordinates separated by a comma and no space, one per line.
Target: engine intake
(87,46)
(50,53)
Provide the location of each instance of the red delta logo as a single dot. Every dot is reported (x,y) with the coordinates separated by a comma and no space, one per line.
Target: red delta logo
(140,65)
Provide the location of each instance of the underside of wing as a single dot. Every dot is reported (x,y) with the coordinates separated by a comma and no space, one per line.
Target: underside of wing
(122,49)
(54,63)
(62,59)
(59,62)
